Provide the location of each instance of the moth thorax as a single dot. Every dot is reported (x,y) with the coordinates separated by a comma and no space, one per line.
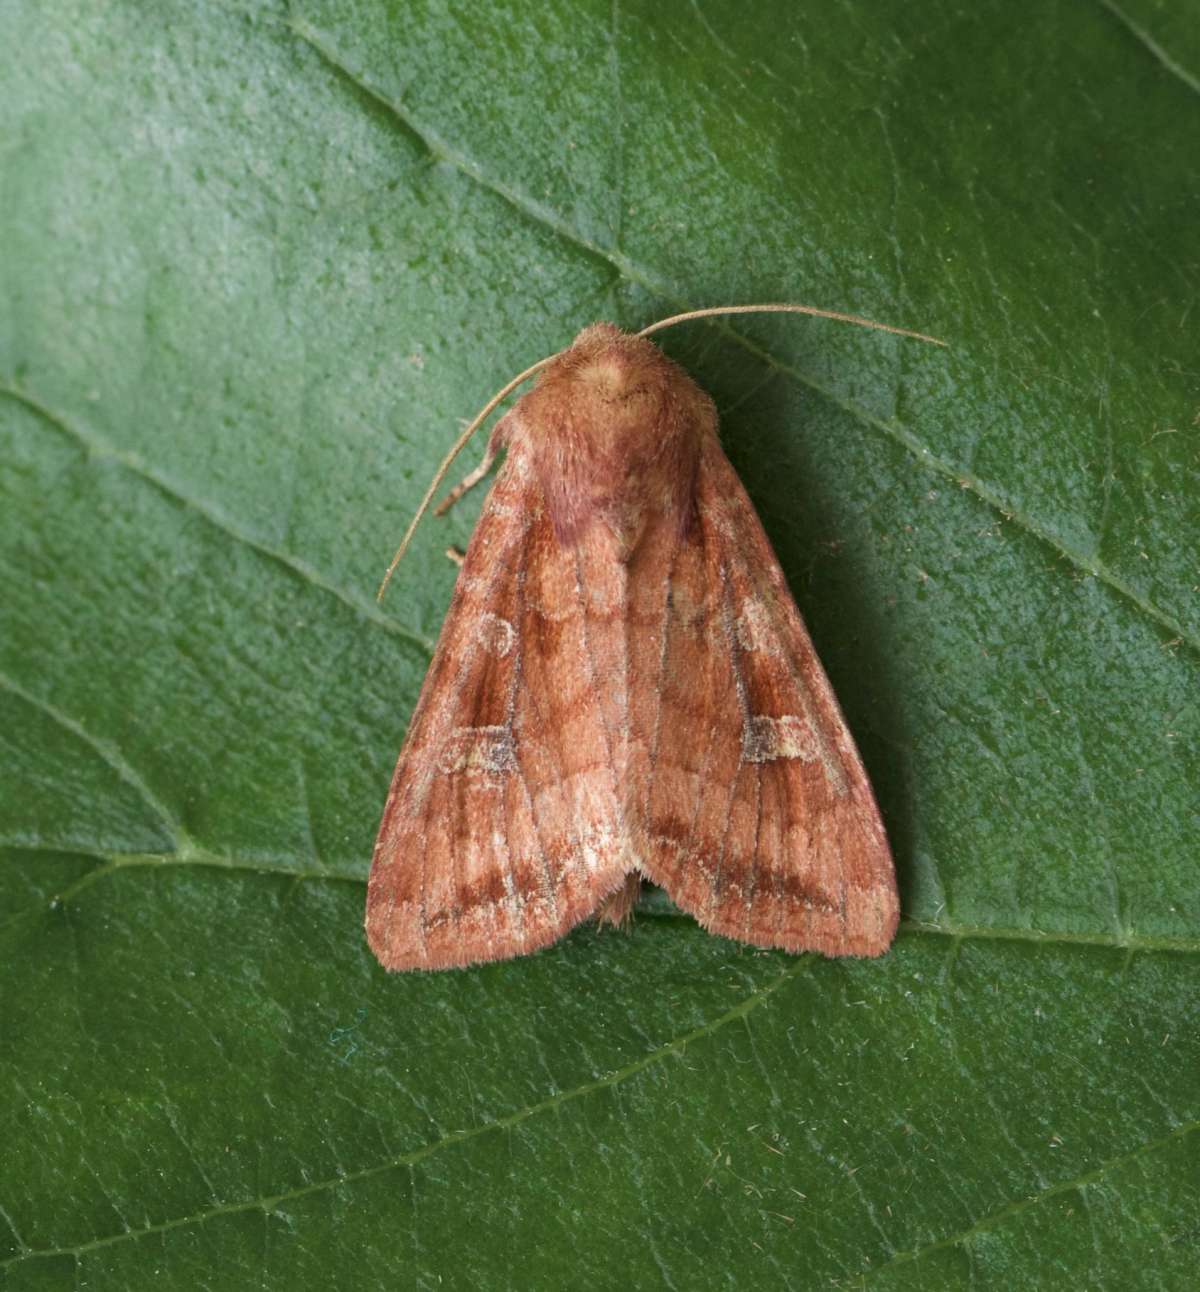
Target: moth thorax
(616,429)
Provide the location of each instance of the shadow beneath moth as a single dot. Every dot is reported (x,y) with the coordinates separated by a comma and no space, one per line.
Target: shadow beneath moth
(623,689)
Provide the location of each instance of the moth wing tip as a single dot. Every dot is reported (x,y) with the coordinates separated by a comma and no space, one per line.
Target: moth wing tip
(874,916)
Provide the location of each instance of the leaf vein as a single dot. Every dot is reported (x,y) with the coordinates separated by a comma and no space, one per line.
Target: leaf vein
(267,1203)
(106,752)
(1015,1208)
(99,447)
(1156,51)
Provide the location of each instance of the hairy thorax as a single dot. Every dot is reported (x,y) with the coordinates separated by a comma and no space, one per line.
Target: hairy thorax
(614,429)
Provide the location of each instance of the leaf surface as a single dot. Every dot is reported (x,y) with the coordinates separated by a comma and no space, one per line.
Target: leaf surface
(257,263)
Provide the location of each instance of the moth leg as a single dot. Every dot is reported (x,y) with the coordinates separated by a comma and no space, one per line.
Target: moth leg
(456,554)
(469,481)
(617,908)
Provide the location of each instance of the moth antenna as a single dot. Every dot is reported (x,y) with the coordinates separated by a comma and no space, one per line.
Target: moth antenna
(787,309)
(716,311)
(440,474)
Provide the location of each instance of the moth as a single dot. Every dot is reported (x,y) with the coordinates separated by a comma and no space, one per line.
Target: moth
(623,689)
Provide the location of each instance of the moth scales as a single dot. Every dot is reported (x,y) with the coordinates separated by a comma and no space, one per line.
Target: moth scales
(623,689)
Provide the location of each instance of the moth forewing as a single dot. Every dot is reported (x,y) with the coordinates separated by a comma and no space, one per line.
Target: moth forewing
(784,845)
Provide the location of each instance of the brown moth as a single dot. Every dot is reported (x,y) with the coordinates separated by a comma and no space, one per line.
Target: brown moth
(623,689)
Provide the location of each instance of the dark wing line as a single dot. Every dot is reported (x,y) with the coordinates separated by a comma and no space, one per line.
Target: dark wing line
(532,696)
(710,744)
(590,656)
(548,888)
(499,572)
(739,685)
(496,547)
(750,884)
(593,672)
(499,812)
(613,738)
(577,878)
(665,630)
(773,773)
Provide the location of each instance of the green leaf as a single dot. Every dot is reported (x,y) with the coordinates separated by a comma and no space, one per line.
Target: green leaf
(257,262)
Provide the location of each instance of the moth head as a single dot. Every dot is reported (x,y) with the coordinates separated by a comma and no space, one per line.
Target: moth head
(611,378)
